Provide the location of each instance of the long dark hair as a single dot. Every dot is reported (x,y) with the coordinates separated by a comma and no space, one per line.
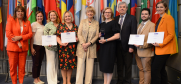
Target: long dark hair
(21,8)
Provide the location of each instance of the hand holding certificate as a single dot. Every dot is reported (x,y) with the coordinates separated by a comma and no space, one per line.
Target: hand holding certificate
(136,39)
(68,37)
(49,40)
(155,37)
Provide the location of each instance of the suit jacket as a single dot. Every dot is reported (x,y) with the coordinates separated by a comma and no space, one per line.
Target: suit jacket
(92,33)
(129,27)
(146,49)
(13,29)
(167,25)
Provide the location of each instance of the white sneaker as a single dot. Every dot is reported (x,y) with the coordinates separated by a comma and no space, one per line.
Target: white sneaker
(42,82)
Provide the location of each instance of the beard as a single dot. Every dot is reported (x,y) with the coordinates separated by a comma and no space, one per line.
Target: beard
(145,19)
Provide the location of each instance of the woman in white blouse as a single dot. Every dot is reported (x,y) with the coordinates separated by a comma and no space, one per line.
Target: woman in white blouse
(37,50)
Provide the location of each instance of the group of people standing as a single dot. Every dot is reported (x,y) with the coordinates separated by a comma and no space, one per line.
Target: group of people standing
(151,58)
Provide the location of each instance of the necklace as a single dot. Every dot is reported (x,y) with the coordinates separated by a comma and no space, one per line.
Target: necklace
(69,24)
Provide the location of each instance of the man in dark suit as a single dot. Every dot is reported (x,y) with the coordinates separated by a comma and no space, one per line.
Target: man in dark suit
(128,25)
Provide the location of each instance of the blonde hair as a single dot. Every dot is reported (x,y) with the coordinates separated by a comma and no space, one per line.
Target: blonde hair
(63,18)
(57,20)
(90,8)
(104,12)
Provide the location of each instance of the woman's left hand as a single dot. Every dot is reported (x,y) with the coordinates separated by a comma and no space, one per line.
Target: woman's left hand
(99,34)
(17,38)
(19,44)
(102,41)
(156,44)
(85,49)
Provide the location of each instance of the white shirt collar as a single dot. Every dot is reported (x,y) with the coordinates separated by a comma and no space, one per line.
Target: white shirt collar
(145,22)
(123,15)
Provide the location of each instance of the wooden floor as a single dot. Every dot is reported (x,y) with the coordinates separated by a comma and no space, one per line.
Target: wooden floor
(29,80)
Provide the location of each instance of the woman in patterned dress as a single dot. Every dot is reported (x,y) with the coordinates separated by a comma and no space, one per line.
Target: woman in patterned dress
(51,50)
(66,51)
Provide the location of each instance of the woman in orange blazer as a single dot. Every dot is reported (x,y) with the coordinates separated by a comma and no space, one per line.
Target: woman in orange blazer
(163,50)
(18,31)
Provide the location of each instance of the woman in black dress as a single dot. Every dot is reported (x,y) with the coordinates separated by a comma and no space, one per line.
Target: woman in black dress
(109,29)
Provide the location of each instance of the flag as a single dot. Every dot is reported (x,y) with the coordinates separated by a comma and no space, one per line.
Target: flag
(155,16)
(83,13)
(108,3)
(102,5)
(53,5)
(31,15)
(113,6)
(1,28)
(117,12)
(90,3)
(78,4)
(105,3)
(11,7)
(10,11)
(173,12)
(101,9)
(40,5)
(20,3)
(97,10)
(58,8)
(70,7)
(63,7)
(143,5)
(31,10)
(148,3)
(133,7)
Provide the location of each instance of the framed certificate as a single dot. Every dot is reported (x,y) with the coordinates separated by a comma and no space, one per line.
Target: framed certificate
(49,40)
(136,39)
(68,37)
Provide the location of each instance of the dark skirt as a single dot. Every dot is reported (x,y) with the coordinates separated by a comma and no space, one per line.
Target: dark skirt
(107,57)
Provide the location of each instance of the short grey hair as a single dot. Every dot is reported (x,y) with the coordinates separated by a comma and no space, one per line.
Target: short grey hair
(121,3)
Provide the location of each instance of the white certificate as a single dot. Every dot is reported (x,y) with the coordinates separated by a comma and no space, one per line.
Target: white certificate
(49,40)
(68,37)
(136,39)
(155,37)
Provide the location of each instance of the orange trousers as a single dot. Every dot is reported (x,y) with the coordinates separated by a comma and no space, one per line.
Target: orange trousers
(17,59)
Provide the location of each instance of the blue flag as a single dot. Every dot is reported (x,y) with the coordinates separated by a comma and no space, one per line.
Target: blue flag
(41,7)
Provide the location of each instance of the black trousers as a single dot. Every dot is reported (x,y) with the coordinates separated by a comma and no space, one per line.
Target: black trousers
(37,60)
(158,72)
(124,59)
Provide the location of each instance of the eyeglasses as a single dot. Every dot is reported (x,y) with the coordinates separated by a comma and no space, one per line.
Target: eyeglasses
(107,12)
